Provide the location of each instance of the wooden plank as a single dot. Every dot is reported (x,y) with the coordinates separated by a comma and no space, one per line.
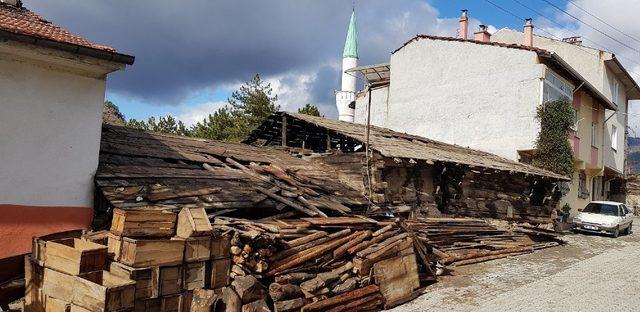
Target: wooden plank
(284,130)
(286,201)
(220,247)
(194,275)
(56,305)
(145,278)
(340,221)
(114,246)
(312,253)
(218,273)
(398,279)
(114,294)
(148,222)
(169,280)
(193,222)
(323,305)
(33,278)
(148,305)
(57,285)
(197,248)
(145,253)
(171,303)
(75,256)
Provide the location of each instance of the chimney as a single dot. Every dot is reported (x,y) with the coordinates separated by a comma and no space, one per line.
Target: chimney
(528,33)
(464,26)
(482,34)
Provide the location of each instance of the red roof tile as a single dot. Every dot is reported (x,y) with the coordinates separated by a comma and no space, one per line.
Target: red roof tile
(21,21)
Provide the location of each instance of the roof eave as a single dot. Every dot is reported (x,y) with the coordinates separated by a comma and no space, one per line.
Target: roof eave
(535,172)
(634,91)
(68,47)
(576,76)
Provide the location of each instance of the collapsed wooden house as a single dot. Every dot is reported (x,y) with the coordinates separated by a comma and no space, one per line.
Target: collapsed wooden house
(199,225)
(142,169)
(407,172)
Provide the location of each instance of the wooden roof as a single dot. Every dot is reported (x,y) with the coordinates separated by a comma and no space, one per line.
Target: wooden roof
(142,169)
(390,143)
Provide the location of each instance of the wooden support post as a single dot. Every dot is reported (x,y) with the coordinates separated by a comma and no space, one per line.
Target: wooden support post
(284,130)
(328,141)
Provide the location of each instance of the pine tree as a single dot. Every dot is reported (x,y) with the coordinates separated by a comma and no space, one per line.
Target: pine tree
(309,109)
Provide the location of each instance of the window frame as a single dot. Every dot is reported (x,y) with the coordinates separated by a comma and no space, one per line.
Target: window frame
(615,91)
(547,82)
(576,116)
(614,137)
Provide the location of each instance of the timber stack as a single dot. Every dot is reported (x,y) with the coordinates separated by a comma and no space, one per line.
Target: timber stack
(458,241)
(321,264)
(155,259)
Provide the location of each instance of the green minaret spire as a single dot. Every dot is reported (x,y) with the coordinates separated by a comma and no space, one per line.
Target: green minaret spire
(351,44)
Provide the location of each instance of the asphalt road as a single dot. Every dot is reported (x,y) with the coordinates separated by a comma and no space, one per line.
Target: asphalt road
(591,273)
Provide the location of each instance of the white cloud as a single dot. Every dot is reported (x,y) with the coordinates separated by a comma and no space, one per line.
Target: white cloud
(199,112)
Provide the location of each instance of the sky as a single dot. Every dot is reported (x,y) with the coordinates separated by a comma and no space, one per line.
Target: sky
(191,54)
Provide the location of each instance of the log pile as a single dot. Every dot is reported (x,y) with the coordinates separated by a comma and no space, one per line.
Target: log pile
(319,264)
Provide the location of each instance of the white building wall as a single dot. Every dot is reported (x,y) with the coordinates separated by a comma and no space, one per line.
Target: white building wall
(50,123)
(614,158)
(379,106)
(590,64)
(468,99)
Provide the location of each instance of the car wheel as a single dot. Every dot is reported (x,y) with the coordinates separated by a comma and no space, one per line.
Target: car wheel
(616,232)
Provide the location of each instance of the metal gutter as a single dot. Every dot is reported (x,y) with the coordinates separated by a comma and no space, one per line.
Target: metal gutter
(68,47)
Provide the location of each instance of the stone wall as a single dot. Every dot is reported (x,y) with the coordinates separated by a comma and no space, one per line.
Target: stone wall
(508,196)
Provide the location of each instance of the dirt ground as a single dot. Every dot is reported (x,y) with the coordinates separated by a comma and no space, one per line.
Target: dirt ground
(590,273)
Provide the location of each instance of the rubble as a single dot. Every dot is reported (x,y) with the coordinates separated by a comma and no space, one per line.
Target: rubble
(193,225)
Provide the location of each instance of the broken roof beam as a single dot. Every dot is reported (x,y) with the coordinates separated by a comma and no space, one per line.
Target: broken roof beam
(285,201)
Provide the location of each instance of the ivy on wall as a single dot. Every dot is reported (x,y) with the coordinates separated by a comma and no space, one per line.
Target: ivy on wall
(553,151)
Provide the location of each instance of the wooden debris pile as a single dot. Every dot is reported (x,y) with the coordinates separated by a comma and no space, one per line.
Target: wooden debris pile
(322,264)
(457,241)
(154,259)
(142,169)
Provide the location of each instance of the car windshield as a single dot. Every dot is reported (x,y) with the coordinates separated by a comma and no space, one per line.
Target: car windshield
(604,209)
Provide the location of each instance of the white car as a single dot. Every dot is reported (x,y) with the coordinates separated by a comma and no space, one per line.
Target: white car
(605,217)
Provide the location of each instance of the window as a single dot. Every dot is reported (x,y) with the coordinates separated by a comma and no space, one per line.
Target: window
(554,88)
(583,192)
(603,209)
(614,137)
(625,210)
(574,127)
(594,134)
(615,91)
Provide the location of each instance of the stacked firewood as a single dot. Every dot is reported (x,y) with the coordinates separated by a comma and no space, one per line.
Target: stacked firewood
(320,264)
